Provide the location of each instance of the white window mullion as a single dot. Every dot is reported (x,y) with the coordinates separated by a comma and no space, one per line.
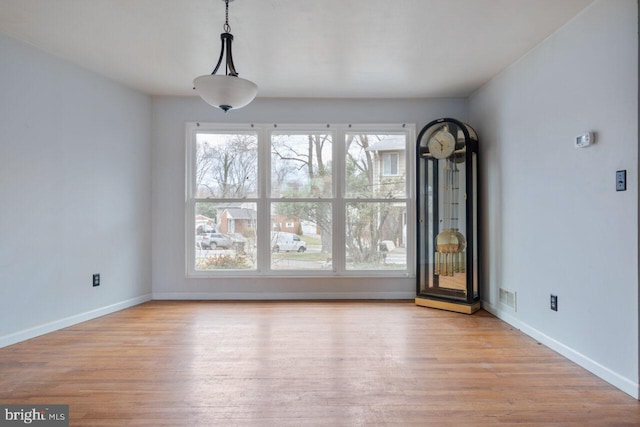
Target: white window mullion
(338,213)
(264,200)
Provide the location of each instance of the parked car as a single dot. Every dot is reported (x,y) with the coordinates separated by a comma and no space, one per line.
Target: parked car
(213,241)
(281,241)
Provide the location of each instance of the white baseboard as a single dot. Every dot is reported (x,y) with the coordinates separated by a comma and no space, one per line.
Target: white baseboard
(70,321)
(223,296)
(625,384)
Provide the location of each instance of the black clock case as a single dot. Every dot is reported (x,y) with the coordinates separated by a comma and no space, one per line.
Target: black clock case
(430,294)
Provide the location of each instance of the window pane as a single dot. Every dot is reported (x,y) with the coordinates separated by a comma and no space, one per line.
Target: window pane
(389,164)
(225,236)
(301,165)
(364,166)
(226,165)
(376,236)
(304,243)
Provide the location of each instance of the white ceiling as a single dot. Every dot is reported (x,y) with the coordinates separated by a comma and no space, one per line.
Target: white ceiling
(294,48)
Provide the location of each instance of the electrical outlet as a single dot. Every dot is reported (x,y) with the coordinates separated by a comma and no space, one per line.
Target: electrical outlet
(554,302)
(96,280)
(621,180)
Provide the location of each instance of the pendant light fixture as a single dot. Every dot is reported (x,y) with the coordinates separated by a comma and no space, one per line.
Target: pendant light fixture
(225,91)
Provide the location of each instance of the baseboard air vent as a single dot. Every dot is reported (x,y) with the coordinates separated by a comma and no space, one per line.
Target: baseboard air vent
(508,298)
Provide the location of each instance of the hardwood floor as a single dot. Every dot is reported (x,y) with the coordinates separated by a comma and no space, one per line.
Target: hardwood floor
(197,363)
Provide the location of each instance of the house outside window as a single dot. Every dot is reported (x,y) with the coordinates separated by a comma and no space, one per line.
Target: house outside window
(311,200)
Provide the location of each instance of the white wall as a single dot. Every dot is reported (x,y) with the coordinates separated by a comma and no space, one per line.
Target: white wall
(553,222)
(169,115)
(75,183)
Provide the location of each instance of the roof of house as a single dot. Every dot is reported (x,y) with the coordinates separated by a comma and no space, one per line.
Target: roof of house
(241,213)
(389,143)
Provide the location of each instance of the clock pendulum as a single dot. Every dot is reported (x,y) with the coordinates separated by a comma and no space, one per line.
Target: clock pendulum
(449,257)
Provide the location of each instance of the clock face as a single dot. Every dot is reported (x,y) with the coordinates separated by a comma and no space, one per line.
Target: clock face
(441,144)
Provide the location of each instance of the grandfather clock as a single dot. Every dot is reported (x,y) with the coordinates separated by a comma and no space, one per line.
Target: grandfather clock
(447,244)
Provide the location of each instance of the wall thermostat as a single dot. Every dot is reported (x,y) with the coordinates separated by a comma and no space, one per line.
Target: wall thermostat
(584,140)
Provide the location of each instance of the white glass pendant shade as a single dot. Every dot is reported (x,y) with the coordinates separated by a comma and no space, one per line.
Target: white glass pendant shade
(225,92)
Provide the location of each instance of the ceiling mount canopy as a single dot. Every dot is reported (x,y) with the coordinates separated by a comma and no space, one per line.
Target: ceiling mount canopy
(225,91)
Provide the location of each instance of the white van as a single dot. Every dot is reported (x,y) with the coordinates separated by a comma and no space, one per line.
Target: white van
(282,241)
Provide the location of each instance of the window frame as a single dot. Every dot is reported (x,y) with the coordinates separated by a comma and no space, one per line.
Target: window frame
(263,200)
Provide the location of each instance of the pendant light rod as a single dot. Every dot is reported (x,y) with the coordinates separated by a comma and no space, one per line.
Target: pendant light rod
(226,39)
(225,50)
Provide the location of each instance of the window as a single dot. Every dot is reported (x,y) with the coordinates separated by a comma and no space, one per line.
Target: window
(389,164)
(299,200)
